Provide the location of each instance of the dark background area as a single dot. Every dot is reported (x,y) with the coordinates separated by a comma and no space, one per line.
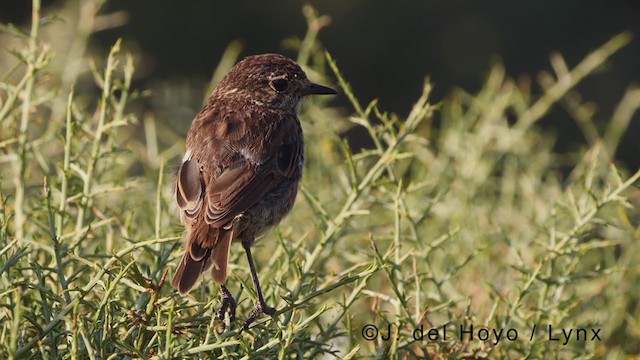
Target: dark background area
(385,49)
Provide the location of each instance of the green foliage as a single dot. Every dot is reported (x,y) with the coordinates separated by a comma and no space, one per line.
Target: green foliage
(467,223)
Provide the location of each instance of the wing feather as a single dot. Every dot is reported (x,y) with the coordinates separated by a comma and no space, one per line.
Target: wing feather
(236,190)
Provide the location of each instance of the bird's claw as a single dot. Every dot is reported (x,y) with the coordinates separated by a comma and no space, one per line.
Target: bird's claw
(228,305)
(260,308)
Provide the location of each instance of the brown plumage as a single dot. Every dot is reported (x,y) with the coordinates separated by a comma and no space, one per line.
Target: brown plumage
(242,166)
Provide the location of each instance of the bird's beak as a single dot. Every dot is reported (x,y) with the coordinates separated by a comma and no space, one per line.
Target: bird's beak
(315,89)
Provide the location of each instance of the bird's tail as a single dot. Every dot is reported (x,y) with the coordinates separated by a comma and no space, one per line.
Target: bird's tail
(199,256)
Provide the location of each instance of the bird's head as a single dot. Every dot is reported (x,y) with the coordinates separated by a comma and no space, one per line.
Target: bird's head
(269,80)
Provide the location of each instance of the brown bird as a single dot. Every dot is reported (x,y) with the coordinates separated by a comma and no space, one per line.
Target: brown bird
(241,170)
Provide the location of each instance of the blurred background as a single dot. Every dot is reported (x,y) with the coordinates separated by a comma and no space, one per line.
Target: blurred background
(385,49)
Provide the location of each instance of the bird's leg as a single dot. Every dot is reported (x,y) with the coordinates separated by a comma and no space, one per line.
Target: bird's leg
(261,306)
(228,304)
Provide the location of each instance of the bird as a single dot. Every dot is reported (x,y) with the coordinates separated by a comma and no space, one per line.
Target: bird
(241,170)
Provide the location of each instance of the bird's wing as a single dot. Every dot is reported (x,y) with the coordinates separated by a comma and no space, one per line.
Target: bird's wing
(189,189)
(240,186)
(243,183)
(249,171)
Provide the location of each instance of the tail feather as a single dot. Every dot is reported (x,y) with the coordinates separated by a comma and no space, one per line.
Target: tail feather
(198,257)
(220,257)
(188,272)
(200,239)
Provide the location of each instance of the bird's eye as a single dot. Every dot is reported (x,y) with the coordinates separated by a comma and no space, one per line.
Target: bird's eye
(279,85)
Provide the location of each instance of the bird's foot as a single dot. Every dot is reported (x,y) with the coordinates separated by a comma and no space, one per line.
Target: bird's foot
(260,308)
(228,306)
